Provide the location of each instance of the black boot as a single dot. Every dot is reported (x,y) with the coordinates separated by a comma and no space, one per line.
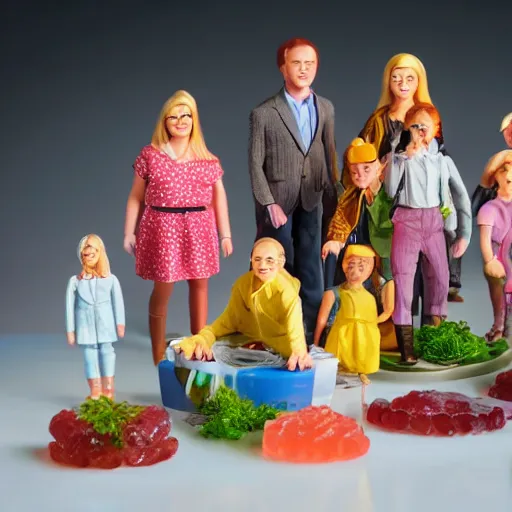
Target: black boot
(405,340)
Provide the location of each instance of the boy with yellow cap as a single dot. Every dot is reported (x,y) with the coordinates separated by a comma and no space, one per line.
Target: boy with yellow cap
(369,225)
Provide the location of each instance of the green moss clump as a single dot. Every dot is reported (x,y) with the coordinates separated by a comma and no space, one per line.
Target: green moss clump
(454,343)
(230,417)
(108,417)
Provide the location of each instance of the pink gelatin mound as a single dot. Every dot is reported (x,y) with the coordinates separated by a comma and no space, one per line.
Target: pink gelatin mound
(502,389)
(313,435)
(436,413)
(145,441)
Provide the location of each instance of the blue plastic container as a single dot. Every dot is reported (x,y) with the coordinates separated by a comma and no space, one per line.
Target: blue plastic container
(276,387)
(173,394)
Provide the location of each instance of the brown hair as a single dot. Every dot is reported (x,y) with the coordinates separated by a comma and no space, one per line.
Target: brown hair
(429,109)
(292,43)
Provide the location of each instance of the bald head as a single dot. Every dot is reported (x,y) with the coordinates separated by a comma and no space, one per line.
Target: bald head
(267,258)
(267,242)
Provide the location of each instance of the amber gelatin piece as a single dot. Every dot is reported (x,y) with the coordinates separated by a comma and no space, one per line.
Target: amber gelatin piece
(436,413)
(502,389)
(313,435)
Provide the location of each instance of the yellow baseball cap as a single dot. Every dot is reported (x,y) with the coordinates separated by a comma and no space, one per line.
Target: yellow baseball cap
(363,251)
(361,152)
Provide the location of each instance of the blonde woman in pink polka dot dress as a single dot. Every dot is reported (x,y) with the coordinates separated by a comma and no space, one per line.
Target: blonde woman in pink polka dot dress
(176,212)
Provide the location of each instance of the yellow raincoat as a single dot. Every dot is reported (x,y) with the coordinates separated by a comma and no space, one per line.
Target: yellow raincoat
(272,315)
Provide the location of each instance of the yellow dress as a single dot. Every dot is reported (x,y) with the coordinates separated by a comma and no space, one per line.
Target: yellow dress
(354,337)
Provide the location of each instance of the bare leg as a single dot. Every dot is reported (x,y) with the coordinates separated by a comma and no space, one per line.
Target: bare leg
(158,303)
(364,379)
(95,387)
(107,384)
(198,304)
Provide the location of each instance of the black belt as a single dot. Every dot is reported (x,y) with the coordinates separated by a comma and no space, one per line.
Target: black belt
(185,209)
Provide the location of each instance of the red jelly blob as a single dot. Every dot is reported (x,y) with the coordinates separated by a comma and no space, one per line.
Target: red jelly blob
(436,413)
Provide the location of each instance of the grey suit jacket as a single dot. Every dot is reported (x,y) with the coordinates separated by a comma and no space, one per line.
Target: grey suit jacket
(280,168)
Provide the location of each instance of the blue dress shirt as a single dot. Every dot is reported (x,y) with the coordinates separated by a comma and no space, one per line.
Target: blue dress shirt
(306,116)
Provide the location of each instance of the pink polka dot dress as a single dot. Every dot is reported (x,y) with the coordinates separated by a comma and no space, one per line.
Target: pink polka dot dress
(170,246)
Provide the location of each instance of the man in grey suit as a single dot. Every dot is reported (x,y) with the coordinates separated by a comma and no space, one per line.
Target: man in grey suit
(293,170)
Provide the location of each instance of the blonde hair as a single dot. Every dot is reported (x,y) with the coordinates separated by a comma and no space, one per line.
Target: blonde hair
(404,60)
(495,164)
(196,142)
(506,121)
(102,268)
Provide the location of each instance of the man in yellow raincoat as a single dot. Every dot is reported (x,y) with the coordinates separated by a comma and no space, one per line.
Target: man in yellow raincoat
(264,307)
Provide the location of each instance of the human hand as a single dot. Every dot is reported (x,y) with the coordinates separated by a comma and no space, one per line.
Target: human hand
(418,135)
(459,247)
(194,347)
(120,331)
(302,360)
(227,246)
(129,244)
(494,268)
(71,338)
(331,247)
(277,216)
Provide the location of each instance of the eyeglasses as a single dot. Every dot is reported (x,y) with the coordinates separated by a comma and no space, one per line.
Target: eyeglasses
(177,119)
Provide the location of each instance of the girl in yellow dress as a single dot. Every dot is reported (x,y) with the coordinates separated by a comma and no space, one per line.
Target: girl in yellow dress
(354,337)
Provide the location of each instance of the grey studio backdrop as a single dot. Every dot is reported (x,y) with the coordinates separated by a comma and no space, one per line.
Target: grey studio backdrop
(83,83)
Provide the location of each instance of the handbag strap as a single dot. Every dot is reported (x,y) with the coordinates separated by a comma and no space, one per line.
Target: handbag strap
(397,195)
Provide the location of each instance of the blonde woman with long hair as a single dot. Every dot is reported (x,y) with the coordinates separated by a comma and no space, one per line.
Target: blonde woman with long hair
(176,212)
(95,316)
(404,84)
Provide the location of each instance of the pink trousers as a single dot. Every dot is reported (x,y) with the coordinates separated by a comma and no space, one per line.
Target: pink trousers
(419,230)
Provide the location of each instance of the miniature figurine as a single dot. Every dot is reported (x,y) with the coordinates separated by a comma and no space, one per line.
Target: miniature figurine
(264,307)
(354,337)
(404,83)
(373,228)
(495,222)
(429,198)
(482,194)
(293,170)
(95,316)
(180,199)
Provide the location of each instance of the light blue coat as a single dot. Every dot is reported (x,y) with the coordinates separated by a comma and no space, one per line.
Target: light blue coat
(94,309)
